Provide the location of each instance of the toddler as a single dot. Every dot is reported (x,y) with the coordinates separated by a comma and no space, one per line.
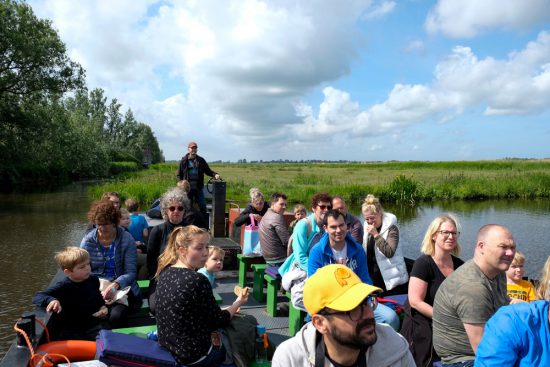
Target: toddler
(139,228)
(518,290)
(76,299)
(213,264)
(299,213)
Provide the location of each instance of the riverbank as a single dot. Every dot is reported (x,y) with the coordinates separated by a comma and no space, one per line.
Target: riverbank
(392,182)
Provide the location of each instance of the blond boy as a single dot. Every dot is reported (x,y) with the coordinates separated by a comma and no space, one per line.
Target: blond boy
(75,300)
(299,213)
(518,290)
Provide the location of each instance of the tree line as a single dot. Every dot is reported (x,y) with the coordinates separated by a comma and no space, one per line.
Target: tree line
(53,129)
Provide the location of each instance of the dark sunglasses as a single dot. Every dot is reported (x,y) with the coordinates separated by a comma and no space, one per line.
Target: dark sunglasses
(173,208)
(323,207)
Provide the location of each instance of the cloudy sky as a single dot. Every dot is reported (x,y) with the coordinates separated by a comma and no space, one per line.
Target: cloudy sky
(322,79)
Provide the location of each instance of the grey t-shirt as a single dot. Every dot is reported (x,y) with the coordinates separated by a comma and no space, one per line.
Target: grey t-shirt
(466,296)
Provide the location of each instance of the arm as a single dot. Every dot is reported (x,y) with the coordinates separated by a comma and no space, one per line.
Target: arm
(206,168)
(45,297)
(315,260)
(417,294)
(129,261)
(153,249)
(181,170)
(281,231)
(474,333)
(300,244)
(389,246)
(356,230)
(244,217)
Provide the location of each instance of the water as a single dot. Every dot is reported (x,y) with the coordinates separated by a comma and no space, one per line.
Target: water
(35,226)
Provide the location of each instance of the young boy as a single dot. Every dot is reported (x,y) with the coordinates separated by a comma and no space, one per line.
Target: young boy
(213,264)
(299,213)
(76,299)
(518,290)
(126,223)
(139,228)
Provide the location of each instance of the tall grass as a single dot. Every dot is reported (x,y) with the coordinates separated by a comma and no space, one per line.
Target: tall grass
(400,182)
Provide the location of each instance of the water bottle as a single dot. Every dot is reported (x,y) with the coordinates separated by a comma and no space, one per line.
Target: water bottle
(261,344)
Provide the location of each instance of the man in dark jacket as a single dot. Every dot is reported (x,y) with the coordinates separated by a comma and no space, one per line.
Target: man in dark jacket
(192,168)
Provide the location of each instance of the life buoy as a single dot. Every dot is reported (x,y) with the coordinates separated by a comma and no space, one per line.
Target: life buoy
(74,350)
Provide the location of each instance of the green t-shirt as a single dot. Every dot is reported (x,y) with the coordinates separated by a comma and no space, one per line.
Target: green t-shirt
(466,296)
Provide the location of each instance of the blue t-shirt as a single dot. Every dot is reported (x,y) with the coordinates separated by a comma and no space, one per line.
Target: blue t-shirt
(139,223)
(210,276)
(109,261)
(516,335)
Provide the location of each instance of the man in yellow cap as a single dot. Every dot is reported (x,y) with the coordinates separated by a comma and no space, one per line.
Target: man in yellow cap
(342,331)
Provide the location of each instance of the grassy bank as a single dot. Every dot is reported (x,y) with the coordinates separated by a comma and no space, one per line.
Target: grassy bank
(402,182)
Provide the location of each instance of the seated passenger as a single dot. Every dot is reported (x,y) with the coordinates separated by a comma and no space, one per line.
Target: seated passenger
(299,213)
(273,231)
(518,290)
(440,247)
(187,314)
(355,228)
(257,208)
(76,298)
(214,263)
(337,246)
(139,228)
(381,243)
(126,222)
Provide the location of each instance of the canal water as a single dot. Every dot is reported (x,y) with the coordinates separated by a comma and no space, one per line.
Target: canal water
(35,226)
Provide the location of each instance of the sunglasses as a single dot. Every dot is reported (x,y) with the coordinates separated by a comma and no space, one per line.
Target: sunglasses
(323,207)
(173,208)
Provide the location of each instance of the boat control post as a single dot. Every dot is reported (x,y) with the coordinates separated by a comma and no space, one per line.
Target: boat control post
(25,325)
(218,208)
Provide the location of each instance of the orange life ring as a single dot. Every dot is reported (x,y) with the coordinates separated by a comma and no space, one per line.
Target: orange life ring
(74,350)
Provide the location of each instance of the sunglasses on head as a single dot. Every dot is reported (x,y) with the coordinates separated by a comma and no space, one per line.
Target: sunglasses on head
(173,208)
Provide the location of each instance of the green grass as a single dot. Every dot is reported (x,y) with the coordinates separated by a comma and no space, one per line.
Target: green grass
(399,182)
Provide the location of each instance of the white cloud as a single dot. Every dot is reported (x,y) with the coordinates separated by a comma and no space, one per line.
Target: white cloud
(380,10)
(414,46)
(467,18)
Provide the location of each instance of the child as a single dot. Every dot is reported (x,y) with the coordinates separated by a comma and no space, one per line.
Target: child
(126,222)
(139,228)
(518,290)
(76,299)
(213,264)
(299,213)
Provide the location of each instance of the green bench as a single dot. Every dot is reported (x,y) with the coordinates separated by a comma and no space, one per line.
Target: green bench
(244,263)
(140,331)
(296,317)
(273,285)
(144,287)
(258,287)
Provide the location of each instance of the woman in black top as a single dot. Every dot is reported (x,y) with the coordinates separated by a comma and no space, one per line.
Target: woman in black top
(257,208)
(187,313)
(440,248)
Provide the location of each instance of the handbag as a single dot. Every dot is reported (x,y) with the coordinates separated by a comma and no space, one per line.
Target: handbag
(251,241)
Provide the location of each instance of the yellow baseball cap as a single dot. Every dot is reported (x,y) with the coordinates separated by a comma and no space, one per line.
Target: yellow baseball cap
(337,287)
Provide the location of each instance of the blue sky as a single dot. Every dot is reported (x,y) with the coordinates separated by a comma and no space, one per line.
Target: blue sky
(321,79)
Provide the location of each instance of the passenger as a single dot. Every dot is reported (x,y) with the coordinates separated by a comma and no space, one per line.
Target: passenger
(381,243)
(76,298)
(257,207)
(518,290)
(184,185)
(468,297)
(299,213)
(192,168)
(187,314)
(543,288)
(139,228)
(355,228)
(306,234)
(440,248)
(274,231)
(126,222)
(519,335)
(337,246)
(214,264)
(342,331)
(113,256)
(114,198)
(176,211)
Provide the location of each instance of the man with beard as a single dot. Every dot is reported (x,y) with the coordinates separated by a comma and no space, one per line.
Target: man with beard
(468,297)
(342,331)
(192,168)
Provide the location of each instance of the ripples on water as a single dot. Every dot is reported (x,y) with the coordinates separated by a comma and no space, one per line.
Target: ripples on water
(35,226)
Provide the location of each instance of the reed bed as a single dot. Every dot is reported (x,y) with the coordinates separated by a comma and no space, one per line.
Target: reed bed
(398,182)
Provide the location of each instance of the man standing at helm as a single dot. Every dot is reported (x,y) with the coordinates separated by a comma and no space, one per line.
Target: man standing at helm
(192,168)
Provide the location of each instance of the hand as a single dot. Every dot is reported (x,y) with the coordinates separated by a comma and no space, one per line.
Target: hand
(217,177)
(372,230)
(109,292)
(257,217)
(54,306)
(103,312)
(241,300)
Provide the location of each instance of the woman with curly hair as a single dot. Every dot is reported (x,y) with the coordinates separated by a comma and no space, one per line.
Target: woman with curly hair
(113,257)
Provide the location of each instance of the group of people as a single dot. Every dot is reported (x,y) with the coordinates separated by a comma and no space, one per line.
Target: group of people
(336,269)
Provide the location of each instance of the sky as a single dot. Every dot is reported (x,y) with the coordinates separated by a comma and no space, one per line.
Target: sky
(322,79)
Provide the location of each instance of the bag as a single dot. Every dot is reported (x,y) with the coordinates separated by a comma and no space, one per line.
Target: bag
(130,351)
(241,333)
(251,241)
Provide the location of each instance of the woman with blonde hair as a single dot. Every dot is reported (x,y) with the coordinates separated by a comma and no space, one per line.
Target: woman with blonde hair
(543,287)
(440,249)
(257,207)
(188,316)
(385,261)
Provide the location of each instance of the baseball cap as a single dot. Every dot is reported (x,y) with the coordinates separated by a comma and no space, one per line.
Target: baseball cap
(337,287)
(191,144)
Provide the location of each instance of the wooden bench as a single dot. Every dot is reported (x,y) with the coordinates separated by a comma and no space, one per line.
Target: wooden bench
(296,317)
(273,285)
(258,287)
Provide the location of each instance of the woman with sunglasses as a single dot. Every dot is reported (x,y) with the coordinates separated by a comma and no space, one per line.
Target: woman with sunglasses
(440,249)
(113,257)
